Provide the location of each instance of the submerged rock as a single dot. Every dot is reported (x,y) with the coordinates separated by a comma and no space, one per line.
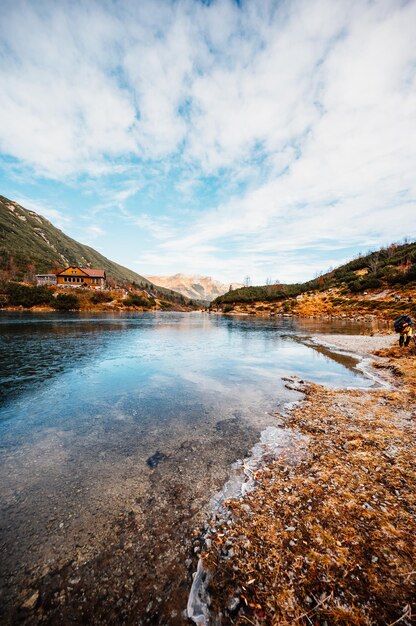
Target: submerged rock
(155,459)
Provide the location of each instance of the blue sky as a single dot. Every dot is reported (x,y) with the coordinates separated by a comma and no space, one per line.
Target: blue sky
(265,138)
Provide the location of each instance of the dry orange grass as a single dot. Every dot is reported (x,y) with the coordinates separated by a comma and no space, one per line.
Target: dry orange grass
(329,540)
(314,305)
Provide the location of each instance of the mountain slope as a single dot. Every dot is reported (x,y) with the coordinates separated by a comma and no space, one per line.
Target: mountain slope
(381,283)
(194,287)
(28,238)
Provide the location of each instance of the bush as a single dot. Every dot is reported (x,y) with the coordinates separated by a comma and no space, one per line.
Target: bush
(66,302)
(407,277)
(372,283)
(135,300)
(21,295)
(228,308)
(289,305)
(164,304)
(99,296)
(365,283)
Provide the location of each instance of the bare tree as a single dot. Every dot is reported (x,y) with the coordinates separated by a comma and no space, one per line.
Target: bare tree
(29,276)
(269,285)
(391,250)
(374,263)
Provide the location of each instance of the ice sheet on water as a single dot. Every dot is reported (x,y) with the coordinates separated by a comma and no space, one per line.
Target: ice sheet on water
(273,443)
(198,601)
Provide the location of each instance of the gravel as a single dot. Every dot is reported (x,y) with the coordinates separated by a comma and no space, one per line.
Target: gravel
(360,344)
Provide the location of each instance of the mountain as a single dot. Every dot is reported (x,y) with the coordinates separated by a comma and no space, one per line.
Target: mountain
(27,238)
(194,287)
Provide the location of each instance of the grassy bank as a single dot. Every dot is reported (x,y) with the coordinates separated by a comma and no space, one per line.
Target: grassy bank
(329,540)
(19,296)
(334,303)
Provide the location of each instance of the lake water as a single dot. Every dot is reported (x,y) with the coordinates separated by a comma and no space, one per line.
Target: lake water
(101,532)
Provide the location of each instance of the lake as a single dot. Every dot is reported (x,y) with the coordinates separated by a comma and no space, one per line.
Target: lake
(115,432)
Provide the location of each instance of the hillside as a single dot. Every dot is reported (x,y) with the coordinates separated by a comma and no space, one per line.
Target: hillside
(195,287)
(375,284)
(28,239)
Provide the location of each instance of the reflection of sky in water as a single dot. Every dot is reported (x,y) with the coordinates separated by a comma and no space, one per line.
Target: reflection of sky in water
(119,376)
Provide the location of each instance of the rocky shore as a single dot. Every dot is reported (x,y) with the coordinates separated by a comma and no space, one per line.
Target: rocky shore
(328,539)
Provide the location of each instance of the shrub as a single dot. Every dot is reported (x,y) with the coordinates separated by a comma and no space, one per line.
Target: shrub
(164,304)
(227,308)
(99,296)
(66,302)
(289,305)
(135,300)
(365,283)
(408,276)
(21,295)
(371,283)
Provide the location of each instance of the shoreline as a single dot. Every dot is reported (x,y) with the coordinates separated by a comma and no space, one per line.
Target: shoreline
(184,309)
(129,309)
(233,574)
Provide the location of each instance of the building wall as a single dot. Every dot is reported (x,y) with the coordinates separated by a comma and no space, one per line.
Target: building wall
(75,277)
(45,279)
(72,281)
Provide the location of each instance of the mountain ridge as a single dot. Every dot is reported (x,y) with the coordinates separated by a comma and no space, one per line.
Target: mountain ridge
(194,286)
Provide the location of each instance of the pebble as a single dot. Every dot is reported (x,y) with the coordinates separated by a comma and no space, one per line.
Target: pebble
(30,603)
(233,604)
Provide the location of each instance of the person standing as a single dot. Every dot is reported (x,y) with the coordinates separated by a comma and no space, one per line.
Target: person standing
(403,325)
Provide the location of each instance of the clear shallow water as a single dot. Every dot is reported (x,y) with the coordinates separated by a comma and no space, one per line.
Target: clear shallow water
(132,373)
(87,398)
(118,353)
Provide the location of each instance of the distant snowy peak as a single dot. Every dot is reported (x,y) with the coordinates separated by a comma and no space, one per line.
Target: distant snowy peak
(195,287)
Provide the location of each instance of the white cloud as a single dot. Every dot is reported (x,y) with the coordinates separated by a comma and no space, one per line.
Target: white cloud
(93,231)
(311,104)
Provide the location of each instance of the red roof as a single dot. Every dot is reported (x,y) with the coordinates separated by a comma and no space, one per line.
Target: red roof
(94,273)
(85,270)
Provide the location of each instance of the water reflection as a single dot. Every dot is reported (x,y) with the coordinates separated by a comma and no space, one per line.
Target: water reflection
(132,348)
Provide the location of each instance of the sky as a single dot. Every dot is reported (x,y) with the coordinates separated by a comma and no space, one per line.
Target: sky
(265,138)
